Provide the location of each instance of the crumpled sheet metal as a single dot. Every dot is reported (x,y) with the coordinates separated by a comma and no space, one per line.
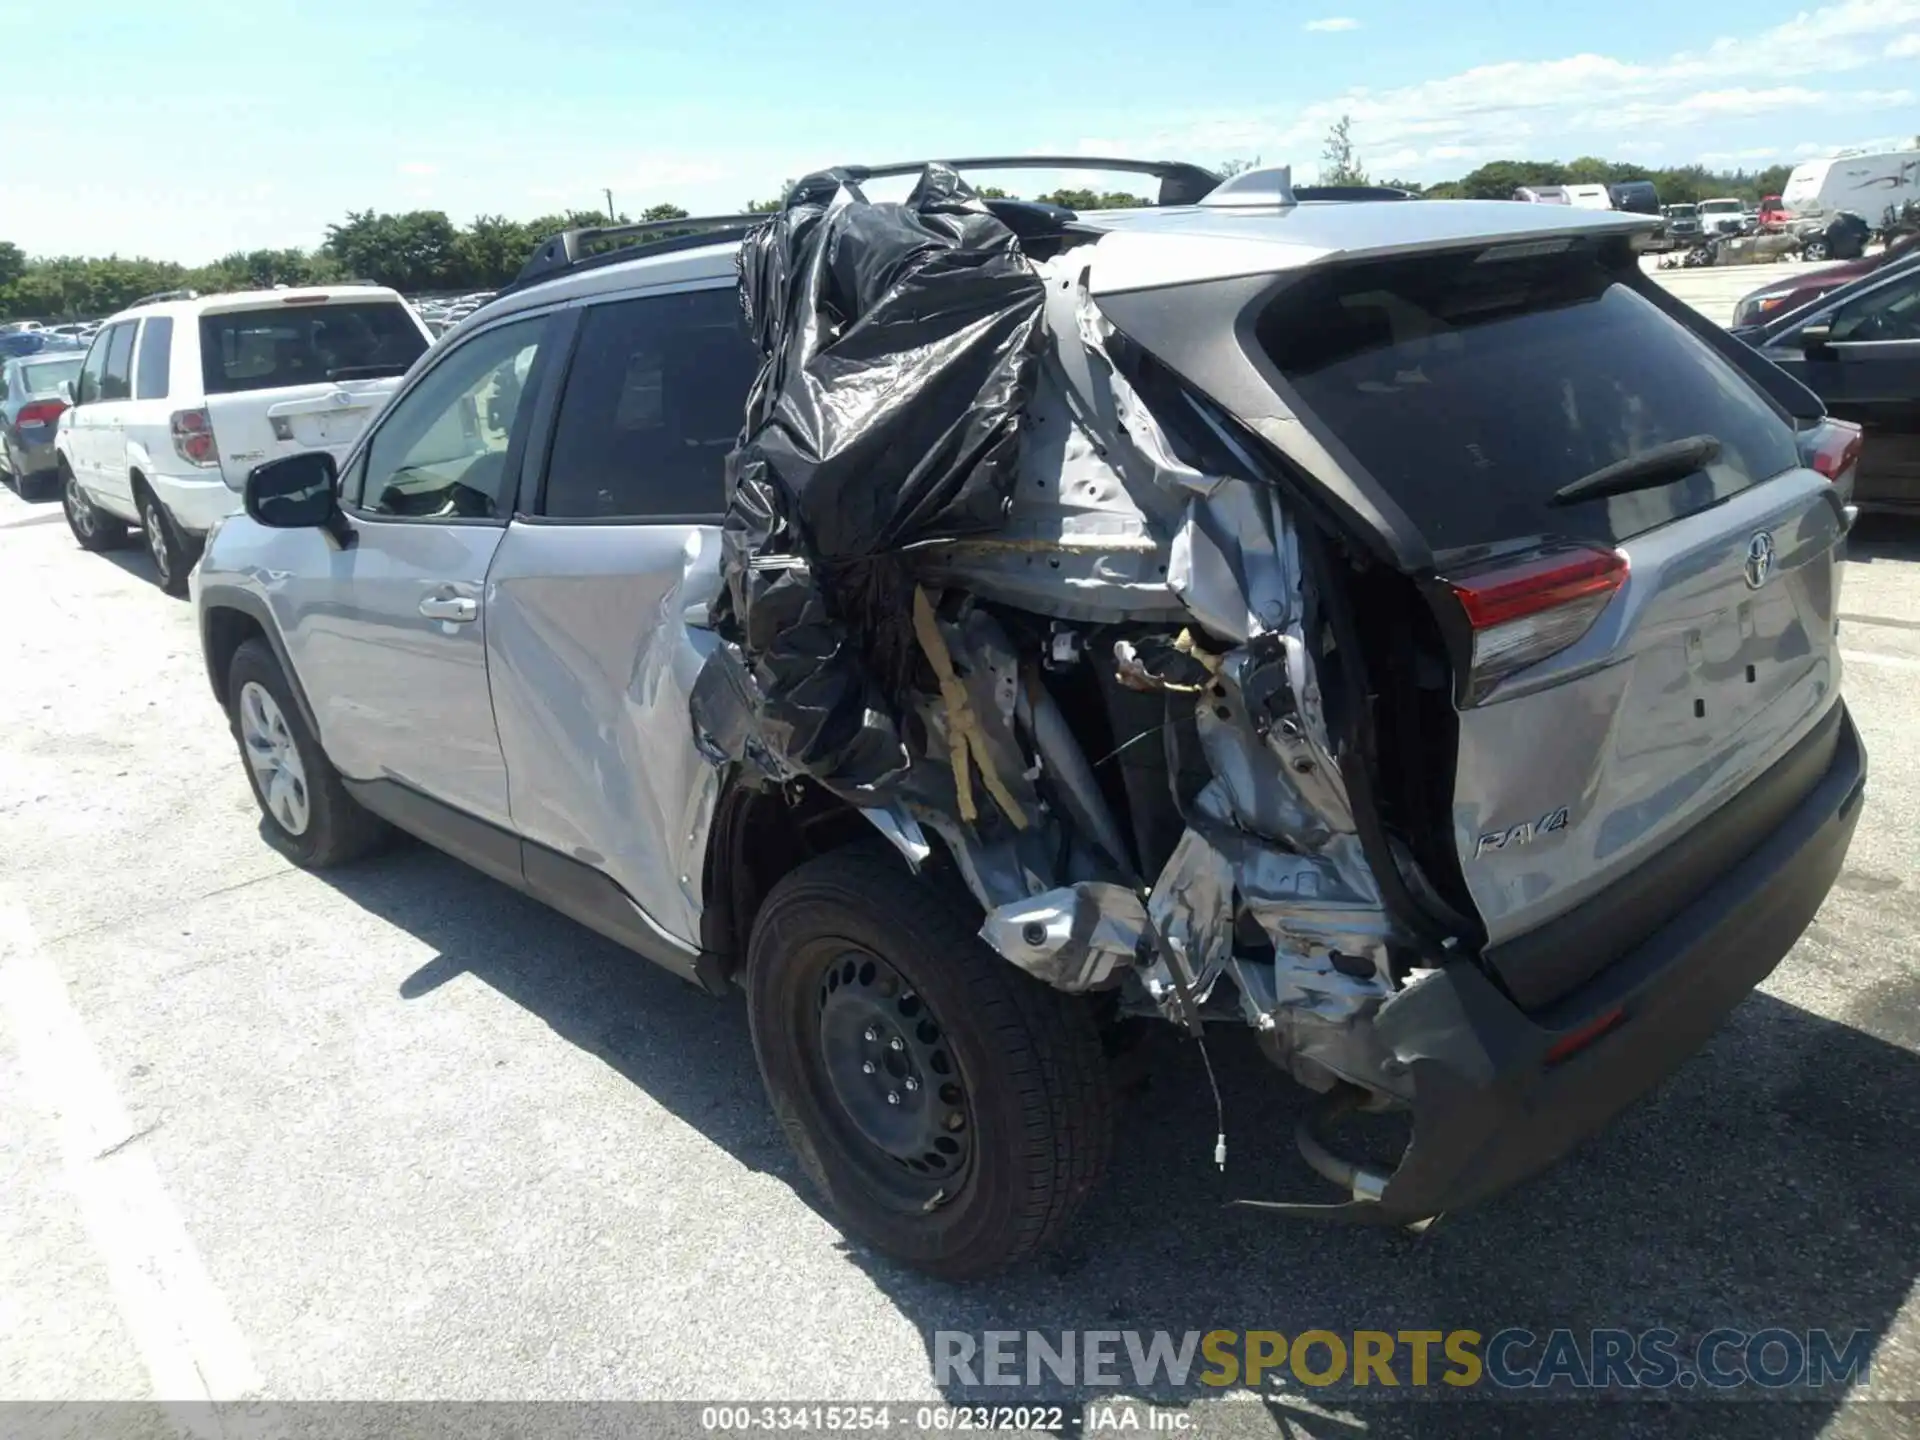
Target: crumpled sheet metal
(1076,937)
(900,344)
(1087,535)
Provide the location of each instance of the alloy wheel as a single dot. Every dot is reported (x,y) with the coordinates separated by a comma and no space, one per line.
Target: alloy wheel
(79,508)
(278,773)
(153,524)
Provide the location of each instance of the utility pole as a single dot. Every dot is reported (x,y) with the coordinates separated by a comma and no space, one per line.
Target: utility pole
(610,215)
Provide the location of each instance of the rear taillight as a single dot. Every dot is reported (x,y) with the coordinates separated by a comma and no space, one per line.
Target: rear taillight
(193,437)
(42,412)
(1522,611)
(1832,448)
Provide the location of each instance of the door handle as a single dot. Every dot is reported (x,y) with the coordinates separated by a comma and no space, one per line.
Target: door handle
(450,607)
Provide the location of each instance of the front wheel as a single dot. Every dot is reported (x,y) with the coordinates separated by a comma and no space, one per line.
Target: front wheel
(1814,250)
(307,813)
(92,527)
(954,1111)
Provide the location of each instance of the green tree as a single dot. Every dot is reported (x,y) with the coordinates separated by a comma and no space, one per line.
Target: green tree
(13,263)
(663,212)
(1092,200)
(1339,164)
(413,251)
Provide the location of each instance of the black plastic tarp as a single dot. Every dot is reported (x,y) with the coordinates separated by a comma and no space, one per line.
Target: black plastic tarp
(900,345)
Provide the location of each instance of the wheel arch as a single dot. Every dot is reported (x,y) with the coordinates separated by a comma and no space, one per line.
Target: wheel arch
(761,833)
(229,617)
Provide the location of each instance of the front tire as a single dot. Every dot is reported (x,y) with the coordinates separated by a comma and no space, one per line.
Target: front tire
(955,1111)
(93,528)
(307,814)
(172,555)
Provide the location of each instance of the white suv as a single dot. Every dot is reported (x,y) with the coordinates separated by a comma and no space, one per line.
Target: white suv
(181,395)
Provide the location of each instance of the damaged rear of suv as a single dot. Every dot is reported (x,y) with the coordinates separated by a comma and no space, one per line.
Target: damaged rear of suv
(1396,628)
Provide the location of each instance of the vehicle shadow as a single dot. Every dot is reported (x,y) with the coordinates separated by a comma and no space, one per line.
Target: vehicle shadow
(1768,1185)
(1884,537)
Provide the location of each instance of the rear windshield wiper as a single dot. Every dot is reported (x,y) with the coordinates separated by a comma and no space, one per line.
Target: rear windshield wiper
(366,372)
(1643,471)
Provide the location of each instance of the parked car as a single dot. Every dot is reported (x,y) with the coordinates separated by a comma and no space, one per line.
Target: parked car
(1683,225)
(182,394)
(1723,217)
(33,393)
(1858,349)
(1772,214)
(1843,236)
(16,343)
(1779,298)
(1638,197)
(1504,863)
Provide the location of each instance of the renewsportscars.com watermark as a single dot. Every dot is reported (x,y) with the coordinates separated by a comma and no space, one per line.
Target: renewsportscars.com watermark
(1512,1359)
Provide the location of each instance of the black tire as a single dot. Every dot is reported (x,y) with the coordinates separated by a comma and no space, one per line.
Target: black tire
(93,528)
(1023,1096)
(172,553)
(336,828)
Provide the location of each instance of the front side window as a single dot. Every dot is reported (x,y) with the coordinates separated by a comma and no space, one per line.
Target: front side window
(1890,313)
(116,381)
(96,361)
(307,343)
(442,451)
(655,398)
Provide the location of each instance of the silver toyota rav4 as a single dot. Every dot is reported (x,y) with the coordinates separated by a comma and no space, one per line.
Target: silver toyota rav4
(971,628)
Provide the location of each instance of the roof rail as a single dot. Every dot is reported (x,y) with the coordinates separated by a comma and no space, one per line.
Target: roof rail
(562,252)
(1180,183)
(160,295)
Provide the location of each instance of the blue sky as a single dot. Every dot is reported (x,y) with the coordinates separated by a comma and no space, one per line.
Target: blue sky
(184,131)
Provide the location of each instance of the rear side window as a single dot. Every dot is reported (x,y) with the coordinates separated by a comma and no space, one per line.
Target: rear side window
(655,398)
(116,380)
(156,348)
(306,344)
(1473,390)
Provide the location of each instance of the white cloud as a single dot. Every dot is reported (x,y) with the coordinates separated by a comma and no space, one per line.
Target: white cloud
(1584,103)
(1907,47)
(418,167)
(1332,23)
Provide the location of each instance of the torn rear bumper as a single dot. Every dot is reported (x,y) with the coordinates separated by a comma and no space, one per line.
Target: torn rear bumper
(1493,1105)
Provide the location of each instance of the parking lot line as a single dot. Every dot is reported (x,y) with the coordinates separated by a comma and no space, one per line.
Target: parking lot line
(176,1316)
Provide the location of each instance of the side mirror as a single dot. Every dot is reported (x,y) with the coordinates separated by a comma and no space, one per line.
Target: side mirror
(295,492)
(67,393)
(1815,336)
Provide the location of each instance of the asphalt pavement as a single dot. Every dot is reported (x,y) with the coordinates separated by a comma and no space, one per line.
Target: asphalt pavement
(396,1132)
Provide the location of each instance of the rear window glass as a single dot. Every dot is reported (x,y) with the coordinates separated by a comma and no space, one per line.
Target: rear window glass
(306,345)
(1473,391)
(44,377)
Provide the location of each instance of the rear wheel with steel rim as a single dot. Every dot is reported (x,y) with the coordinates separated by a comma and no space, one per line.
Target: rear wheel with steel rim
(306,811)
(92,527)
(172,556)
(953,1110)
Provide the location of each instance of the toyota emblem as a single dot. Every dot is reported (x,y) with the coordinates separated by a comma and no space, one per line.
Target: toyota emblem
(1759,559)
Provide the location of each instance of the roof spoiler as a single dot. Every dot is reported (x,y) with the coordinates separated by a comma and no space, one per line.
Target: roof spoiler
(1180,183)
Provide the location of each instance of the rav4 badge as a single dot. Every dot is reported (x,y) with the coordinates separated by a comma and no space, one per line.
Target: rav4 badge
(1525,833)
